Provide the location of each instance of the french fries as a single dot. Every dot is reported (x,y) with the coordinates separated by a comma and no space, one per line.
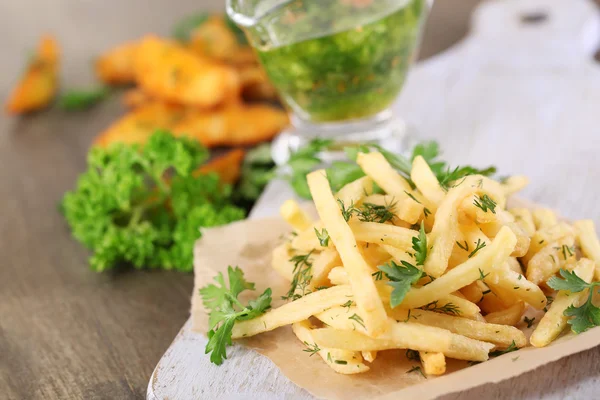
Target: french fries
(359,273)
(296,311)
(407,335)
(341,361)
(37,87)
(554,321)
(453,284)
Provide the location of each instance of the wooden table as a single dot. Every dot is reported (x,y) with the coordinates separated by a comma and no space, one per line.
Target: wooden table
(65,331)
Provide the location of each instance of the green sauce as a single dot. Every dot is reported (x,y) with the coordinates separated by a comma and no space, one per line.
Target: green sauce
(339,60)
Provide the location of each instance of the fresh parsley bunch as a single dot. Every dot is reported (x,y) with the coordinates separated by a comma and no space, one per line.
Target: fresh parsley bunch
(144,206)
(225,309)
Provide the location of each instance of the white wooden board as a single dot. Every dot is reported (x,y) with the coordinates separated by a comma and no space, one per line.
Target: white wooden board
(523,97)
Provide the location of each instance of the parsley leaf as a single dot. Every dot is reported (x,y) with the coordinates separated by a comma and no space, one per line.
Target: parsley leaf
(419,245)
(226,309)
(74,100)
(401,277)
(587,315)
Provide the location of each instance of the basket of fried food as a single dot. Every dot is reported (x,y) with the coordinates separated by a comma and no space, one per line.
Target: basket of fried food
(444,270)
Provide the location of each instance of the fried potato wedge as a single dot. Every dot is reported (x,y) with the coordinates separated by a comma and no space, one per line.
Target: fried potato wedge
(169,71)
(37,87)
(135,98)
(227,166)
(137,126)
(117,65)
(234,125)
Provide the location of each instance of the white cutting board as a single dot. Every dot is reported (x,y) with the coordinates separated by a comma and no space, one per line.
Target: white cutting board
(525,97)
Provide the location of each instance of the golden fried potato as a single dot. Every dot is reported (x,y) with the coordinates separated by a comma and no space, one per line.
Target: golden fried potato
(233,125)
(214,39)
(135,98)
(138,125)
(116,66)
(38,86)
(227,166)
(173,73)
(255,83)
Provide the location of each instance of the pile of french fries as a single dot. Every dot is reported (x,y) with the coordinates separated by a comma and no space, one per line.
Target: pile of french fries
(195,89)
(467,303)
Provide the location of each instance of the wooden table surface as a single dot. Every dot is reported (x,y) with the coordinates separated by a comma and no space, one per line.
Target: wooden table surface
(65,331)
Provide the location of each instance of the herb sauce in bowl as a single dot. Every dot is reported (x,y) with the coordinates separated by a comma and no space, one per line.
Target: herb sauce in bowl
(339,60)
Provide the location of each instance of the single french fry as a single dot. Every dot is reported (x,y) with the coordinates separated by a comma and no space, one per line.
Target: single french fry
(376,166)
(524,219)
(298,310)
(341,361)
(169,71)
(117,65)
(390,202)
(374,232)
(137,126)
(346,317)
(298,219)
(510,316)
(491,303)
(359,272)
(484,261)
(514,265)
(37,86)
(407,335)
(233,124)
(338,276)
(426,181)
(475,213)
(354,191)
(433,363)
(588,241)
(308,240)
(550,259)
(324,262)
(451,303)
(518,287)
(499,334)
(544,218)
(281,261)
(445,229)
(369,356)
(472,292)
(544,236)
(398,255)
(227,166)
(514,184)
(504,218)
(554,321)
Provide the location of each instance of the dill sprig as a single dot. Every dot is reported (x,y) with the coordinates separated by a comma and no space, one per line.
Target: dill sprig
(485,203)
(448,308)
(302,276)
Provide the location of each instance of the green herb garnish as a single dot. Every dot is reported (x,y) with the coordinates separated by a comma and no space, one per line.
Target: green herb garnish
(586,316)
(75,100)
(485,203)
(226,309)
(323,237)
(401,277)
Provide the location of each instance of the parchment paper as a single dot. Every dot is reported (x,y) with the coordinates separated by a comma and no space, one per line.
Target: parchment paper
(249,243)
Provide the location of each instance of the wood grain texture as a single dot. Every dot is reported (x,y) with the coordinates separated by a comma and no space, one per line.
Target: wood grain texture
(518,96)
(65,331)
